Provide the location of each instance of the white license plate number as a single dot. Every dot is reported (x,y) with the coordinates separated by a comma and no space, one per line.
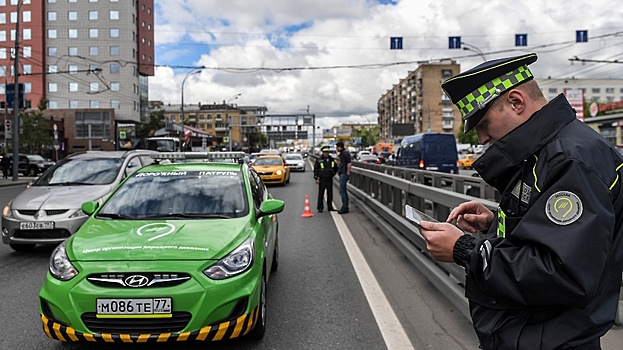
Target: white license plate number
(148,306)
(36,225)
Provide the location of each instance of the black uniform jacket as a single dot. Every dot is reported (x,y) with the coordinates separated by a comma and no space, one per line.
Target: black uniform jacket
(325,168)
(548,275)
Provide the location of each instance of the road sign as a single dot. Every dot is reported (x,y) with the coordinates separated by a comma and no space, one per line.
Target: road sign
(581,36)
(395,43)
(521,39)
(454,42)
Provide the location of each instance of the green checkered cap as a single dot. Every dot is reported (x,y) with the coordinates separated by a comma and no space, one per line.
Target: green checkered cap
(479,98)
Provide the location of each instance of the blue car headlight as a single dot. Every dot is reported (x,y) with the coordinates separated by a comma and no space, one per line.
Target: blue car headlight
(235,263)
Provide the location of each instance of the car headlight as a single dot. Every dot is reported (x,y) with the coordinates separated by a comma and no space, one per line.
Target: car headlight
(6,212)
(235,263)
(60,266)
(279,172)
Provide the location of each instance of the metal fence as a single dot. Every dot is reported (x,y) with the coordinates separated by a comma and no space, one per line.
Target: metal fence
(382,192)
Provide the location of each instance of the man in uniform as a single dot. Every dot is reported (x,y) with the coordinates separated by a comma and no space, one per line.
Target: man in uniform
(546,272)
(324,170)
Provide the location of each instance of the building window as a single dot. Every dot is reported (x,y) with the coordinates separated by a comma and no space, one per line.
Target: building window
(27,34)
(95,124)
(72,15)
(51,1)
(595,90)
(26,16)
(94,103)
(2,35)
(115,104)
(94,86)
(610,90)
(72,51)
(27,51)
(114,50)
(27,88)
(94,67)
(114,32)
(73,69)
(52,104)
(52,68)
(114,68)
(93,15)
(73,104)
(51,52)
(114,15)
(114,86)
(553,90)
(93,33)
(51,16)
(27,69)
(52,87)
(94,51)
(73,87)
(72,33)
(2,18)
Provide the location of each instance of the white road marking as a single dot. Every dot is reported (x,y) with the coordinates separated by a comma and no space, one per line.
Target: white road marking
(394,335)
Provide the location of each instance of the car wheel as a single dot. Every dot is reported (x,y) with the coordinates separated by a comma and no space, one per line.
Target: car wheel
(288,179)
(257,333)
(22,247)
(275,263)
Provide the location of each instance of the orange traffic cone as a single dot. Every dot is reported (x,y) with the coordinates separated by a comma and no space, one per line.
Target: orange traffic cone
(307,213)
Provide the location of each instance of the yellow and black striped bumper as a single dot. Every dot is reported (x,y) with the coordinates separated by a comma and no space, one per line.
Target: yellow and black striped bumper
(225,330)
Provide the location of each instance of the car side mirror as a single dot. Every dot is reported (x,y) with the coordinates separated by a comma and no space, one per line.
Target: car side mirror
(89,207)
(271,206)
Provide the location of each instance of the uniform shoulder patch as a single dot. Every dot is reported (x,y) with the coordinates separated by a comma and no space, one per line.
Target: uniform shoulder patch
(563,208)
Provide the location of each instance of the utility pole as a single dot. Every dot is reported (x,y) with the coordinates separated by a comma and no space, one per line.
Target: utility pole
(16,98)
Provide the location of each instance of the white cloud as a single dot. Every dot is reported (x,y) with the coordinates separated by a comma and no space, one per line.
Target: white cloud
(242,34)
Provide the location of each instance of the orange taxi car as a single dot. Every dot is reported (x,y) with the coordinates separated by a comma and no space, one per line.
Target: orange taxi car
(272,169)
(466,161)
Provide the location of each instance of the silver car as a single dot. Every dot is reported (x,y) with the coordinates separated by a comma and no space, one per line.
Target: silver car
(48,211)
(295,161)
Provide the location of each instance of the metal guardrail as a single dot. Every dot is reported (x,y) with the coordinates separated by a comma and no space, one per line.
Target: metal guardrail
(382,192)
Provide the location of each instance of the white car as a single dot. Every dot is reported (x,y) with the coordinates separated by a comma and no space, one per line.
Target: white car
(362,153)
(295,161)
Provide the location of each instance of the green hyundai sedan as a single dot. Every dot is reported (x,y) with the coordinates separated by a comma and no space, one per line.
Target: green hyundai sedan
(180,251)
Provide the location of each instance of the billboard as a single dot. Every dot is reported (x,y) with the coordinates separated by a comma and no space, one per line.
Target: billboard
(576,100)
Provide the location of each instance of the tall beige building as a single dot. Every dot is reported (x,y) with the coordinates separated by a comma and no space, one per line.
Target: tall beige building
(417,103)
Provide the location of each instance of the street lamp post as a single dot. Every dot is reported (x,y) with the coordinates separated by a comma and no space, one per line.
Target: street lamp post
(6,112)
(194,71)
(16,97)
(470,47)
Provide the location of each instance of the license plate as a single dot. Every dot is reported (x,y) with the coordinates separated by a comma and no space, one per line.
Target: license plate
(36,225)
(148,306)
(432,168)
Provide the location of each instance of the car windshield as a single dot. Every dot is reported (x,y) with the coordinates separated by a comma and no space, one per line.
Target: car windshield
(81,171)
(268,161)
(175,195)
(35,158)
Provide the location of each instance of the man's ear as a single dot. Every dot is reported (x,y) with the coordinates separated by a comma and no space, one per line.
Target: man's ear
(517,101)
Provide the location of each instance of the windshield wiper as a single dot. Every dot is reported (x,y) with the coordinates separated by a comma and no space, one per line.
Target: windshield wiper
(115,216)
(185,216)
(70,183)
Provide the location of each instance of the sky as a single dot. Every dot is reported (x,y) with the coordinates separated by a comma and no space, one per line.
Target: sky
(332,58)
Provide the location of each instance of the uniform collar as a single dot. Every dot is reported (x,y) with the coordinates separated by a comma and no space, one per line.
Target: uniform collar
(503,158)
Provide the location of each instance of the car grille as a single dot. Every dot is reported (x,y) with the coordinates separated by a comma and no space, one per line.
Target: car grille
(124,280)
(42,234)
(47,212)
(264,173)
(176,323)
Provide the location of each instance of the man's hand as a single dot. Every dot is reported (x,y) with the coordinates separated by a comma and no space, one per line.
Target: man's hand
(471,216)
(440,239)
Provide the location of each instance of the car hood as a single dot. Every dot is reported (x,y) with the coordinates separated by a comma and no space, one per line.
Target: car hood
(108,240)
(59,197)
(268,167)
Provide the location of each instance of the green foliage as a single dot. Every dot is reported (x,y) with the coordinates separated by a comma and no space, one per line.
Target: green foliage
(471,137)
(36,136)
(156,121)
(369,137)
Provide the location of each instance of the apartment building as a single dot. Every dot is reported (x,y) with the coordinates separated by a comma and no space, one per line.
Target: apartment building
(90,59)
(417,103)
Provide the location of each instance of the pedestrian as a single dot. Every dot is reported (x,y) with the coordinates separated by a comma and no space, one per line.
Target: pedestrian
(5,162)
(325,169)
(545,273)
(345,163)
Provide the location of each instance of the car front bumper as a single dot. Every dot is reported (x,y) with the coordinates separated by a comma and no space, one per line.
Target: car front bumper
(61,230)
(211,310)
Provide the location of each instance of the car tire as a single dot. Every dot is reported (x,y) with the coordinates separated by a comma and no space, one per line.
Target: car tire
(275,264)
(258,331)
(22,247)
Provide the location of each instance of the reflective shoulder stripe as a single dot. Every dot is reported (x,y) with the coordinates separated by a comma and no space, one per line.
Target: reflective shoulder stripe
(501,232)
(534,173)
(617,178)
(321,165)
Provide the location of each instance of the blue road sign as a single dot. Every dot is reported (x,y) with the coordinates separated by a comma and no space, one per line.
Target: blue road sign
(395,43)
(581,36)
(521,39)
(454,42)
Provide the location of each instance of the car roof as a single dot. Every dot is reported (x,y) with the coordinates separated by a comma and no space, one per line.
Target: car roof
(108,154)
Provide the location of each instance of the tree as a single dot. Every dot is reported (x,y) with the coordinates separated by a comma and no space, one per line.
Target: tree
(36,136)
(471,137)
(156,121)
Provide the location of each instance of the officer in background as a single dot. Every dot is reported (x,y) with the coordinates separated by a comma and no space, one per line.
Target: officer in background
(546,274)
(324,170)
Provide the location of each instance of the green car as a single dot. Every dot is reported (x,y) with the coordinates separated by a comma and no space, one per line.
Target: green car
(179,252)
